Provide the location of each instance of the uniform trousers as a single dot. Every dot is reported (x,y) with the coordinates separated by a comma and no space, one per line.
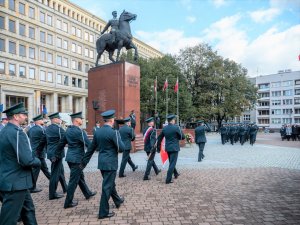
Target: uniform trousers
(201,149)
(126,158)
(172,166)
(151,163)
(57,174)
(36,171)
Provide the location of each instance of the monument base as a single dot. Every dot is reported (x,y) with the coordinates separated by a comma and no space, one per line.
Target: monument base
(114,86)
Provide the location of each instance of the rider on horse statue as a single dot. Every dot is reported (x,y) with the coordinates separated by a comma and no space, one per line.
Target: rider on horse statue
(114,24)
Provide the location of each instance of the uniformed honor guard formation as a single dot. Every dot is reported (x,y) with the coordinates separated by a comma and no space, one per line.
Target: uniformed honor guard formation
(238,132)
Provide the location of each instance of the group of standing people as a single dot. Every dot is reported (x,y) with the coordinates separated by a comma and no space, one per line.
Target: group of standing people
(238,132)
(288,131)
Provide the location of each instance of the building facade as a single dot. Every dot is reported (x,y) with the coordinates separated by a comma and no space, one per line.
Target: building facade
(278,100)
(46,49)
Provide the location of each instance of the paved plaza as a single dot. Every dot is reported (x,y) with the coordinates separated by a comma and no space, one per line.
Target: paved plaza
(236,184)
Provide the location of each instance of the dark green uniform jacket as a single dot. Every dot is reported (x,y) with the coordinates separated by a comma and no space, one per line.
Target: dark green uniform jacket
(38,141)
(173,134)
(108,141)
(16,159)
(149,134)
(200,134)
(76,140)
(53,134)
(127,135)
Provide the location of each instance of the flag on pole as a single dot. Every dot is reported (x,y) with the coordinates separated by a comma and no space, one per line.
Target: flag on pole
(1,108)
(165,85)
(163,153)
(45,110)
(176,86)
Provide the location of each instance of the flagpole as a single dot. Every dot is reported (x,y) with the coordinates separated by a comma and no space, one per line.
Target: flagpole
(177,101)
(167,101)
(156,94)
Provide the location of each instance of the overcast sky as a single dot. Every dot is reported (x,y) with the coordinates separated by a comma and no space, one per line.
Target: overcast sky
(262,35)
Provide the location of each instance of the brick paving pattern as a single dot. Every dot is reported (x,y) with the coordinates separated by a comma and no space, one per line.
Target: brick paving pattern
(256,185)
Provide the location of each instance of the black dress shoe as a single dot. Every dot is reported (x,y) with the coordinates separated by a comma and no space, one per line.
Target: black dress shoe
(36,190)
(71,205)
(158,171)
(121,202)
(169,182)
(57,196)
(93,193)
(122,175)
(135,168)
(106,216)
(146,178)
(176,175)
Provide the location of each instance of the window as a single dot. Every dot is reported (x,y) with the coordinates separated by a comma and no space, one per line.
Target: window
(22,50)
(86,52)
(79,83)
(297,91)
(264,86)
(12,26)
(66,80)
(22,71)
(2,45)
(32,32)
(287,101)
(50,77)
(42,55)
(287,92)
(73,47)
(86,84)
(21,8)
(65,45)
(91,38)
(12,69)
(73,30)
(74,65)
(12,5)
(42,36)
(264,103)
(86,68)
(246,117)
(297,101)
(32,53)
(31,13)
(276,93)
(50,39)
(263,121)
(264,95)
(65,27)
(59,78)
(31,73)
(78,32)
(263,112)
(42,75)
(12,100)
(276,102)
(49,57)
(58,24)
(73,82)
(297,82)
(2,2)
(59,60)
(287,83)
(79,68)
(287,111)
(49,20)
(276,121)
(2,67)
(275,84)
(297,111)
(297,120)
(86,36)
(65,62)
(79,49)
(59,42)
(42,17)
(91,54)
(2,22)
(276,111)
(12,47)
(22,29)
(286,120)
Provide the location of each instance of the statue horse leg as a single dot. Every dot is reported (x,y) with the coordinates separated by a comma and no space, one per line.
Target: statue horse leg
(136,54)
(120,46)
(110,55)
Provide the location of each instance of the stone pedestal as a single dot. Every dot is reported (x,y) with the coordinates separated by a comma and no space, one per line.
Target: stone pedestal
(114,86)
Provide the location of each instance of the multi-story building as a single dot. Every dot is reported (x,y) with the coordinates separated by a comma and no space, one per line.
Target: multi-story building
(46,49)
(279,100)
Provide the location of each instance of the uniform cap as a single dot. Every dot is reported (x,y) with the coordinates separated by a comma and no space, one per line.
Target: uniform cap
(16,109)
(38,117)
(127,119)
(54,115)
(200,121)
(76,115)
(171,117)
(108,114)
(150,119)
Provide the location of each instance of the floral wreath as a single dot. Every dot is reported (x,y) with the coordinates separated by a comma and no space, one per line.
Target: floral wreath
(189,138)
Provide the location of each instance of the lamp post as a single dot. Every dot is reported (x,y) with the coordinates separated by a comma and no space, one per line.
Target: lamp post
(95,107)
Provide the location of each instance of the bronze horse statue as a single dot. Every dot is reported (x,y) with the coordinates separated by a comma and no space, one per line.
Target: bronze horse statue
(123,39)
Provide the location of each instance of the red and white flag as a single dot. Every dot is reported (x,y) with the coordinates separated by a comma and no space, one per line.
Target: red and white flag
(176,86)
(163,153)
(299,57)
(165,85)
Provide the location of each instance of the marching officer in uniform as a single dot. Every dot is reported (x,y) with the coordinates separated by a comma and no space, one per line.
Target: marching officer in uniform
(54,133)
(252,132)
(200,137)
(16,170)
(37,138)
(127,135)
(173,135)
(223,132)
(77,140)
(96,127)
(150,147)
(109,143)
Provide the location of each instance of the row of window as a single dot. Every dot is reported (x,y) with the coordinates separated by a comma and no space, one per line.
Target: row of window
(44,75)
(286,83)
(279,112)
(280,93)
(278,121)
(48,19)
(276,102)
